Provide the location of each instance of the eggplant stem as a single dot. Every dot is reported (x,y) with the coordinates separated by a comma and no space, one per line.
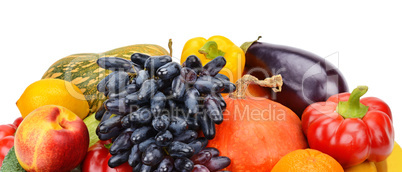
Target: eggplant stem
(247,45)
(275,82)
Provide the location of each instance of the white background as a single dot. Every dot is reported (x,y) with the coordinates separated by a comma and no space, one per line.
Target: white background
(365,38)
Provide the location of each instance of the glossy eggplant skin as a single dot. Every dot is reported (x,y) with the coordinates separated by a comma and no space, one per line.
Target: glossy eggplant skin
(307,78)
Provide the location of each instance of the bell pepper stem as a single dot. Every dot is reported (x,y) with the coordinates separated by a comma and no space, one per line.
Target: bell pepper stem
(107,146)
(353,108)
(210,50)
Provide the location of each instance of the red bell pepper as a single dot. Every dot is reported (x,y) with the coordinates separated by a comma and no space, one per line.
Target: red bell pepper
(6,143)
(97,159)
(7,132)
(18,121)
(350,129)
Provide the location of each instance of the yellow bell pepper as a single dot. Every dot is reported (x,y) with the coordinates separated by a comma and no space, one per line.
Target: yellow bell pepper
(391,164)
(208,49)
(366,166)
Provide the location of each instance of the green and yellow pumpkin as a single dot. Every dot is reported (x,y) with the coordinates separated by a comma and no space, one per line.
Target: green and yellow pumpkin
(82,70)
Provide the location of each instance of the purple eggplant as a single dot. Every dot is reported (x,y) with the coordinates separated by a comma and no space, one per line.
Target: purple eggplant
(307,78)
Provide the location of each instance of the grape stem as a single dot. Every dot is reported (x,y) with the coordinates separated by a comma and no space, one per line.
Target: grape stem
(170,47)
(275,82)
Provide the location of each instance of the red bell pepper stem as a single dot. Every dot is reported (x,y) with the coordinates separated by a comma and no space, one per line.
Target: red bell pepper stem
(353,108)
(107,146)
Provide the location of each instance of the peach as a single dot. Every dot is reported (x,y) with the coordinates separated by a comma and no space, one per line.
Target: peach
(51,138)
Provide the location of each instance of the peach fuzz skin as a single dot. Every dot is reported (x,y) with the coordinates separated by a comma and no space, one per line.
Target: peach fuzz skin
(51,138)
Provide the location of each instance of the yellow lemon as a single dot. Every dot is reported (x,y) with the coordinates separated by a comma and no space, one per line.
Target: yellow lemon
(53,92)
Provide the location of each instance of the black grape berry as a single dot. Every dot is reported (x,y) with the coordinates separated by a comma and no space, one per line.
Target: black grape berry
(158,102)
(168,71)
(148,89)
(141,134)
(191,100)
(153,63)
(193,62)
(213,67)
(208,159)
(161,123)
(139,59)
(178,88)
(153,155)
(188,75)
(164,138)
(115,64)
(141,77)
(155,109)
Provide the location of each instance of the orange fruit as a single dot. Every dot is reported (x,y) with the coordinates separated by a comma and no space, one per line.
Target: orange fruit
(307,160)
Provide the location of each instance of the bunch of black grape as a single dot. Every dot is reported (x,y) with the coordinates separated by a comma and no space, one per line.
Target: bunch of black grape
(156,107)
